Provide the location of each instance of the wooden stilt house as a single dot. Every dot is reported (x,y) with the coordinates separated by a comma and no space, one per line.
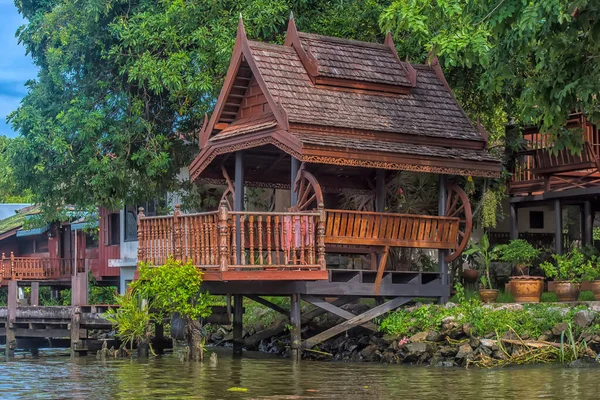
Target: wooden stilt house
(321,116)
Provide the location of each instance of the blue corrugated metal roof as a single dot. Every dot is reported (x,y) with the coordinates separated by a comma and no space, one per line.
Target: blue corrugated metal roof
(32,232)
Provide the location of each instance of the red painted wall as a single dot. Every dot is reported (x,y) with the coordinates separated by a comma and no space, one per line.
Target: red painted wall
(106,251)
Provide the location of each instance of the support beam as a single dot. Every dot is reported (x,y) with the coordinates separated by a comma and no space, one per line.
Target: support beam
(238,341)
(355,321)
(333,309)
(238,199)
(268,304)
(380,191)
(588,223)
(34,300)
(443,265)
(558,234)
(296,330)
(11,339)
(294,167)
(514,222)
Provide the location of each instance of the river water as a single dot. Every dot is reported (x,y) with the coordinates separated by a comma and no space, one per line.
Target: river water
(257,377)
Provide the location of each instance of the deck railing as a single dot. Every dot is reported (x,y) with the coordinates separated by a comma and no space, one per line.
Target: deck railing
(38,268)
(226,239)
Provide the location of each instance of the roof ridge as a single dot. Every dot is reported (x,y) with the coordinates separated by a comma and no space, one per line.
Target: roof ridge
(270,45)
(378,46)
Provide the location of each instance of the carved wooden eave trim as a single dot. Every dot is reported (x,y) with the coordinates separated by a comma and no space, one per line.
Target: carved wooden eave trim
(241,52)
(278,138)
(284,186)
(408,69)
(292,39)
(388,136)
(417,163)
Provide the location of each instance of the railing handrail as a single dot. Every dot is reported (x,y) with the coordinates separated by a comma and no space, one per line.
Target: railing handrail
(376,213)
(144,217)
(276,213)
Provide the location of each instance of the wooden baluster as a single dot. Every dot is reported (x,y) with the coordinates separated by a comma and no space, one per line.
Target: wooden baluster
(260,240)
(223,236)
(12,266)
(233,222)
(311,241)
(321,238)
(141,235)
(196,241)
(294,245)
(277,239)
(205,241)
(215,240)
(243,237)
(251,237)
(2,267)
(269,260)
(302,239)
(285,241)
(176,232)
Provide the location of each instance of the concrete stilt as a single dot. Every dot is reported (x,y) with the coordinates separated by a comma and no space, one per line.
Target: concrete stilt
(296,330)
(34,301)
(11,339)
(238,341)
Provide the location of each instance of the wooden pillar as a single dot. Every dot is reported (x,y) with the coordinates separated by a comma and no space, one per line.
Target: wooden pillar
(75,331)
(514,222)
(294,167)
(558,234)
(295,331)
(380,191)
(238,201)
(11,339)
(35,294)
(588,223)
(159,337)
(79,290)
(443,265)
(238,310)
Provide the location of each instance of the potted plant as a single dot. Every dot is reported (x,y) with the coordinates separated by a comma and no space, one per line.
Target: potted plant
(524,287)
(485,255)
(568,271)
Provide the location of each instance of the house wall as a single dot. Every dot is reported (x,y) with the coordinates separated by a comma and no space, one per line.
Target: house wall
(523,219)
(106,251)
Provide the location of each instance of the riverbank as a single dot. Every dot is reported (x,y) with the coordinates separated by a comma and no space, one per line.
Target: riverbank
(465,334)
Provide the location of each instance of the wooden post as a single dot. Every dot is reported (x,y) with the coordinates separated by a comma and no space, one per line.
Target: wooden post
(514,222)
(75,330)
(238,341)
(238,202)
(321,237)
(443,265)
(296,330)
(223,227)
(35,294)
(177,245)
(294,167)
(142,235)
(159,337)
(558,234)
(11,339)
(588,223)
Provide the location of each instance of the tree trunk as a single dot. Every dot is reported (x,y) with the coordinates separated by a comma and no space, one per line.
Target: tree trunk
(193,337)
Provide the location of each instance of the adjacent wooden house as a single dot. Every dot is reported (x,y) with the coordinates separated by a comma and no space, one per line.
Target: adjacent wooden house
(320,116)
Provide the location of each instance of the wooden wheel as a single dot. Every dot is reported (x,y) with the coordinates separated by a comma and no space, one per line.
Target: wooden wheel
(307,189)
(229,193)
(458,205)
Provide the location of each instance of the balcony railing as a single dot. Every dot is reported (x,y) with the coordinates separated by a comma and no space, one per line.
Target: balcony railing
(39,268)
(232,240)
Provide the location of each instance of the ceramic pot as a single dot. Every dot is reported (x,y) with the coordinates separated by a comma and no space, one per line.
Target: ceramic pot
(488,295)
(470,275)
(567,291)
(527,289)
(596,289)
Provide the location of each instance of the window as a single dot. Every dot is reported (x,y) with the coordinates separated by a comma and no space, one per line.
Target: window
(91,240)
(536,219)
(130,224)
(26,246)
(33,245)
(41,244)
(114,227)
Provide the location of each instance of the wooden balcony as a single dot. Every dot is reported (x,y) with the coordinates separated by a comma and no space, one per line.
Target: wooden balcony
(232,245)
(39,268)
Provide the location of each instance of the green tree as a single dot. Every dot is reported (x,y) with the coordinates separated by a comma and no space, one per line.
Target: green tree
(9,191)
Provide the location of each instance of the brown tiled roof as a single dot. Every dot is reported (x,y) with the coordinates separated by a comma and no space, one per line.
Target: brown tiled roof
(351,59)
(429,110)
(354,143)
(247,125)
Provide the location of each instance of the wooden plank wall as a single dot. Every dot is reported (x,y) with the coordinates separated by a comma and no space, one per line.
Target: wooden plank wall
(105,250)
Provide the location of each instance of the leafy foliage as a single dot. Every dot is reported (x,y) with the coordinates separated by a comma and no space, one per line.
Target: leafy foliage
(572,266)
(486,254)
(518,251)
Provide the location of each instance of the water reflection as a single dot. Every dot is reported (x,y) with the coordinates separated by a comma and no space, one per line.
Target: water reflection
(268,378)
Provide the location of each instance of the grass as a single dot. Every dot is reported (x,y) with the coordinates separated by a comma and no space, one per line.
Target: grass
(503,297)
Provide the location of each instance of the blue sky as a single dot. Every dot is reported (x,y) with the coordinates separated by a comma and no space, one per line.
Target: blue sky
(15,67)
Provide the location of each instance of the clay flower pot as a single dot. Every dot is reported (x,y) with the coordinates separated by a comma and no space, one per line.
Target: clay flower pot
(488,295)
(567,291)
(527,289)
(596,289)
(470,275)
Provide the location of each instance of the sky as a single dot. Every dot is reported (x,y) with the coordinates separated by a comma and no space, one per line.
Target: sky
(15,67)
